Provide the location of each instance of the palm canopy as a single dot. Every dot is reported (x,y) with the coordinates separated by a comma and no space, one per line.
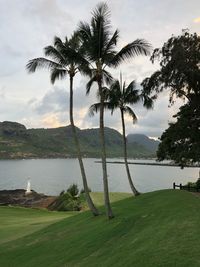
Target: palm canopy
(64,57)
(100,43)
(120,96)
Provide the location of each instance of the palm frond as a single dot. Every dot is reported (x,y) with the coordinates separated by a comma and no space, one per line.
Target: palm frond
(55,54)
(96,35)
(115,92)
(84,31)
(94,109)
(136,48)
(89,84)
(58,43)
(131,113)
(101,10)
(101,17)
(105,91)
(107,77)
(131,94)
(41,63)
(112,42)
(57,74)
(74,41)
(85,70)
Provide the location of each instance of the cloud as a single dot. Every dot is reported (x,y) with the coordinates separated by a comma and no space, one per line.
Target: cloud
(2,93)
(53,106)
(28,26)
(51,121)
(55,100)
(197,20)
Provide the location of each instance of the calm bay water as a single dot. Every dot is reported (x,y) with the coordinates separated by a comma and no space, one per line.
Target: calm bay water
(51,176)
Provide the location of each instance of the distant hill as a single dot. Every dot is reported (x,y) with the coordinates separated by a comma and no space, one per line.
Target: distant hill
(18,142)
(145,141)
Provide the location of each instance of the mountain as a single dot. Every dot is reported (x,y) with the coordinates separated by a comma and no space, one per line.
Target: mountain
(148,143)
(18,142)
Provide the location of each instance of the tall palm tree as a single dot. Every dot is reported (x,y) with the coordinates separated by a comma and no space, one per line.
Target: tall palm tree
(100,44)
(118,96)
(66,60)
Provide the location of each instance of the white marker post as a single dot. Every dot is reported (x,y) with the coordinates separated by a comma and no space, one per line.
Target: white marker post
(28,189)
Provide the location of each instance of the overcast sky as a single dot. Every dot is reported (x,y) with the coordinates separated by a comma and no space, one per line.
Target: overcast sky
(27,26)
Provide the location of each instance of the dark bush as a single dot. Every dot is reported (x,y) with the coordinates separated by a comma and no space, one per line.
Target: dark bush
(73,190)
(198,183)
(62,192)
(67,201)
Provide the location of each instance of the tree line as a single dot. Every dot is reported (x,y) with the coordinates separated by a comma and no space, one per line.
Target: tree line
(92,52)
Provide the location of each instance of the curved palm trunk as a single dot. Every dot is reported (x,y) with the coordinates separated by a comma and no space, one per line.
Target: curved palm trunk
(103,157)
(134,190)
(85,185)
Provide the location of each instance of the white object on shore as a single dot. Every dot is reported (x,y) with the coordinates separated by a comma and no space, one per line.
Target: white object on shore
(28,189)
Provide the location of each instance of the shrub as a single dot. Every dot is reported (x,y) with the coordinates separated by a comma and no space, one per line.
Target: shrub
(198,183)
(73,190)
(67,201)
(62,192)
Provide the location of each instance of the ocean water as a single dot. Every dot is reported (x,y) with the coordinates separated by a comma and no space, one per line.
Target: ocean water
(51,176)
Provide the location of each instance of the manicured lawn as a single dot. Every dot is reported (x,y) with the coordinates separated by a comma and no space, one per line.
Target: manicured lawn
(16,222)
(161,228)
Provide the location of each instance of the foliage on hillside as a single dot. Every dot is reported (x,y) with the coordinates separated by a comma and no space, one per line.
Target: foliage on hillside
(150,144)
(18,142)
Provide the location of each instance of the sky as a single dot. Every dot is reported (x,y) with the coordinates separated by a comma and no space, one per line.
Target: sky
(27,26)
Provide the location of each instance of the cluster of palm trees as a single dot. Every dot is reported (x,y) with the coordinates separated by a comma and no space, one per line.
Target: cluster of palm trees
(92,51)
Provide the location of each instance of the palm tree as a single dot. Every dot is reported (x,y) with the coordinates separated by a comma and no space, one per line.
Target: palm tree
(100,51)
(66,60)
(120,97)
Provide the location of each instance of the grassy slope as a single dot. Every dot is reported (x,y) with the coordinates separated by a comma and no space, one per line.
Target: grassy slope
(16,222)
(156,229)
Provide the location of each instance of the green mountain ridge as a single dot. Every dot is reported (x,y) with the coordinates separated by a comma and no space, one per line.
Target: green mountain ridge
(150,144)
(18,142)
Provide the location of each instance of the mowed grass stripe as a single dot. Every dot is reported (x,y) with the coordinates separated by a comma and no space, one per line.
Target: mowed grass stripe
(155,229)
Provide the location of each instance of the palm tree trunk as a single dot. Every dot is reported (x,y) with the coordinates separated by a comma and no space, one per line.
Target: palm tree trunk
(85,185)
(134,190)
(103,156)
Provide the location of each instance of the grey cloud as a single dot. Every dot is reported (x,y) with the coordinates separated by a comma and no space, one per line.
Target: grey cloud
(28,26)
(2,93)
(154,122)
(55,100)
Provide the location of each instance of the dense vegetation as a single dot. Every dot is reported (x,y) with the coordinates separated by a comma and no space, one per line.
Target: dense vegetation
(179,73)
(69,200)
(148,231)
(181,141)
(18,142)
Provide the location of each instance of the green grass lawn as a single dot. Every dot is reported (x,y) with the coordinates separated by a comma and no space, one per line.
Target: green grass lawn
(160,228)
(16,222)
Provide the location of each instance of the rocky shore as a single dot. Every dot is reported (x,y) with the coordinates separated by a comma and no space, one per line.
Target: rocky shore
(19,197)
